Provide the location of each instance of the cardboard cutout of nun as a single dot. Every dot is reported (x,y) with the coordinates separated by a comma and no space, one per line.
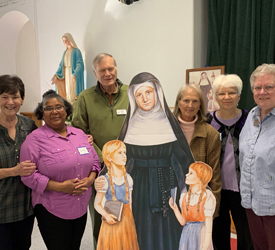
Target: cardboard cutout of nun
(158,158)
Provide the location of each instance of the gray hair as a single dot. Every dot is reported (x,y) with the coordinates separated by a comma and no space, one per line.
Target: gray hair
(47,97)
(264,69)
(227,81)
(38,112)
(99,57)
(201,112)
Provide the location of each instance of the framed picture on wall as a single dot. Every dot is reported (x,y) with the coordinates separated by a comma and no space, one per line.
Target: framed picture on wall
(204,78)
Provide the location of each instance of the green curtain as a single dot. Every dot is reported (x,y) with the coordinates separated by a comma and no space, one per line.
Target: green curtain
(241,36)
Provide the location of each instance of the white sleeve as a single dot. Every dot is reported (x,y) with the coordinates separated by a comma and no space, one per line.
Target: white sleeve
(105,187)
(210,204)
(130,182)
(181,199)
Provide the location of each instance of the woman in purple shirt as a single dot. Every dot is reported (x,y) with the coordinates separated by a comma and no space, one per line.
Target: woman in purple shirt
(66,168)
(229,121)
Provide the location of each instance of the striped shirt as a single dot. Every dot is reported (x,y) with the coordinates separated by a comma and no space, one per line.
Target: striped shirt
(15,197)
(257,162)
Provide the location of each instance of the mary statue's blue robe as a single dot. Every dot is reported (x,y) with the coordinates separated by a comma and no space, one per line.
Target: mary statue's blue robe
(77,69)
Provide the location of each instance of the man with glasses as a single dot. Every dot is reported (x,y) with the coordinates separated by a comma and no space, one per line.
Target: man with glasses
(101,109)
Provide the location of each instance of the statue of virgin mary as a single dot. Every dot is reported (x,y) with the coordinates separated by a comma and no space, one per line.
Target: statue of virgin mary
(69,78)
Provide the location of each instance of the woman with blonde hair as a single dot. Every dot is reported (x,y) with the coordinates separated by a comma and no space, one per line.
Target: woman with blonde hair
(198,206)
(203,139)
(115,233)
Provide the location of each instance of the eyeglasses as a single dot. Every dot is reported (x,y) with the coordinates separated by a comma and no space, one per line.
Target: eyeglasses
(230,94)
(267,89)
(50,109)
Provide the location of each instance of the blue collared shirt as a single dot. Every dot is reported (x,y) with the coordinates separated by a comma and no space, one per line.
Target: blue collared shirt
(257,162)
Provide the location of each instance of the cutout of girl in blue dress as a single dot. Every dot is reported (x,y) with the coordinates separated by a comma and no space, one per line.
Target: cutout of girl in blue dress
(118,186)
(198,206)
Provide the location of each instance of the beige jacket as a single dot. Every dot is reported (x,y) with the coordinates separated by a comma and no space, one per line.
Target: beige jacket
(206,147)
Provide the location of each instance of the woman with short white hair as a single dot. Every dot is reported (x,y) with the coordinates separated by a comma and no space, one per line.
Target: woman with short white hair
(229,120)
(257,159)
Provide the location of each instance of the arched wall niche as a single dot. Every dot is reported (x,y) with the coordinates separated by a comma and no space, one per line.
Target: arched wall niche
(19,54)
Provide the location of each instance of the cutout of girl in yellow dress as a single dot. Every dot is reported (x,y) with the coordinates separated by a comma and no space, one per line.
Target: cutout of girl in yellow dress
(118,186)
(198,206)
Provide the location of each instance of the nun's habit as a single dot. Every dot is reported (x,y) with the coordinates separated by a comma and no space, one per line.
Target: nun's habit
(158,157)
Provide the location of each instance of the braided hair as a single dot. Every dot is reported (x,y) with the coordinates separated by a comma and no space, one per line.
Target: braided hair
(204,173)
(108,150)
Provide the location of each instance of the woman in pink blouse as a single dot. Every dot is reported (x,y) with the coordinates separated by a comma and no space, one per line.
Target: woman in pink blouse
(66,168)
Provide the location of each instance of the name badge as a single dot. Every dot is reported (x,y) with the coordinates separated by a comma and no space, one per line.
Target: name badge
(83,151)
(121,111)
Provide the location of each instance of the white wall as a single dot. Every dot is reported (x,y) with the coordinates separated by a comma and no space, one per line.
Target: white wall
(27,66)
(9,35)
(54,19)
(156,36)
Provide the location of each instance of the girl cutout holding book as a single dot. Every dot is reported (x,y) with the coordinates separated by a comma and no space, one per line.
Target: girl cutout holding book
(198,206)
(118,187)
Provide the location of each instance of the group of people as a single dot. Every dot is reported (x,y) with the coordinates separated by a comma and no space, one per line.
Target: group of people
(56,163)
(48,171)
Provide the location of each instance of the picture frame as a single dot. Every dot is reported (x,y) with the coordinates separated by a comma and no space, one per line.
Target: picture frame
(204,78)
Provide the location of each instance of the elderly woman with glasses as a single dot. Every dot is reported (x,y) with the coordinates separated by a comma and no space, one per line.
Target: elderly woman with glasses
(229,121)
(257,159)
(66,168)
